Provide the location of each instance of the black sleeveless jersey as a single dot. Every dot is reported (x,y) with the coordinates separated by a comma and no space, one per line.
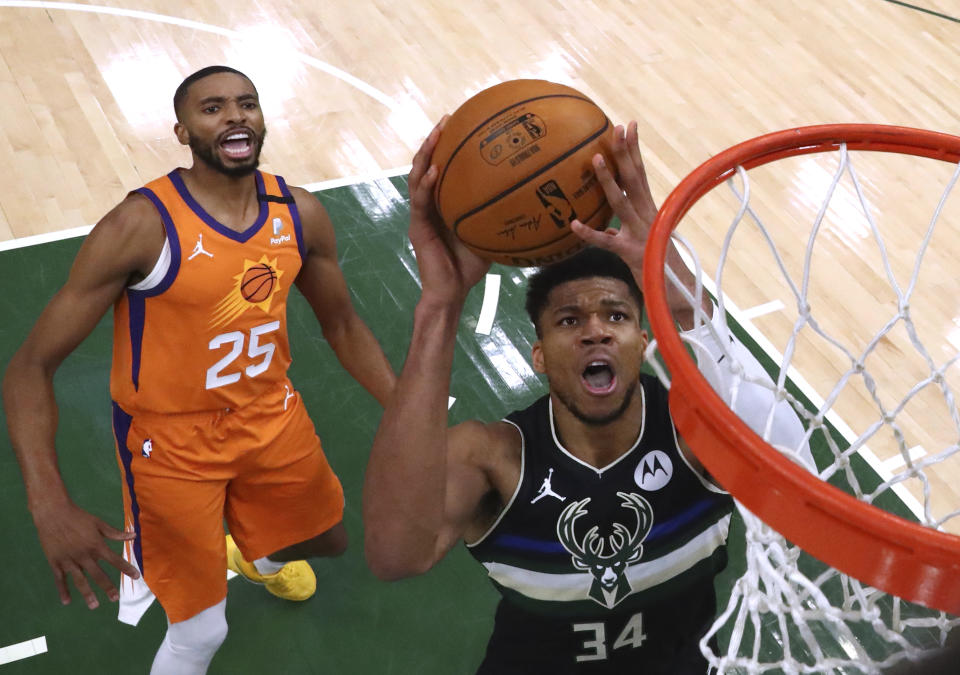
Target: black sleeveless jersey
(605,570)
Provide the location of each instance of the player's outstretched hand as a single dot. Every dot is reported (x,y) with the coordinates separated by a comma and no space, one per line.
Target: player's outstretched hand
(448,270)
(73,541)
(630,199)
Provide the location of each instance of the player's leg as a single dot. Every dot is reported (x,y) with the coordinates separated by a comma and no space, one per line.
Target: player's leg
(176,508)
(330,544)
(286,573)
(286,505)
(189,645)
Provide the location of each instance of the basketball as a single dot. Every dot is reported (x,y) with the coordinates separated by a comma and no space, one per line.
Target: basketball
(257,283)
(515,170)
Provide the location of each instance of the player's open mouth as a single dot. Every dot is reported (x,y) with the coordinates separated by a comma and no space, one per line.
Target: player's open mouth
(598,377)
(237,145)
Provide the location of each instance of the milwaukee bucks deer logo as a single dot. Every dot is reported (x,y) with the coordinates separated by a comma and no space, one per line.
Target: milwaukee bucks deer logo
(610,584)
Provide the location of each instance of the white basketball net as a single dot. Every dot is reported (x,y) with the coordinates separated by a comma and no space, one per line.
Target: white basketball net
(789,613)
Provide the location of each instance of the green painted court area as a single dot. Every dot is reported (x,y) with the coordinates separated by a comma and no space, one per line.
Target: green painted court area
(434,625)
(438,623)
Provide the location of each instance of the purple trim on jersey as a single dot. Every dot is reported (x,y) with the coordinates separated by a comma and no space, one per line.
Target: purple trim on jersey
(210,220)
(137,310)
(137,299)
(667,528)
(121,429)
(295,214)
(527,544)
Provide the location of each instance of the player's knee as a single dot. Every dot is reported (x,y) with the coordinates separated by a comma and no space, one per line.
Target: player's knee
(200,635)
(201,645)
(331,543)
(337,544)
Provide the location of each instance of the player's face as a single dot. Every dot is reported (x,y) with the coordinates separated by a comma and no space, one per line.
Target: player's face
(591,347)
(223,124)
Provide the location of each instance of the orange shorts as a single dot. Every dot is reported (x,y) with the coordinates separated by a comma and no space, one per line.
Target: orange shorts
(261,468)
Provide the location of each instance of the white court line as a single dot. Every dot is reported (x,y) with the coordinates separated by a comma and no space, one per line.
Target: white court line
(491,296)
(353,180)
(45,238)
(207,28)
(897,461)
(450,401)
(765,308)
(84,230)
(23,650)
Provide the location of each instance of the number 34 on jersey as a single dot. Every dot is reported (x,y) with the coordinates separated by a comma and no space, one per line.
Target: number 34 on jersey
(596,646)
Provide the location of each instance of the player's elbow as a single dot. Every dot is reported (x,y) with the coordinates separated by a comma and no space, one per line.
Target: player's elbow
(388,568)
(30,363)
(385,570)
(21,370)
(389,562)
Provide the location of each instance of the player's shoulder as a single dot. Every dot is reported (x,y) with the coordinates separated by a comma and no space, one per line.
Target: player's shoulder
(135,214)
(486,444)
(131,232)
(307,203)
(315,222)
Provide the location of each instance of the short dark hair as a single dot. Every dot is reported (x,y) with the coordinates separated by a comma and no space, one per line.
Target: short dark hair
(590,262)
(181,93)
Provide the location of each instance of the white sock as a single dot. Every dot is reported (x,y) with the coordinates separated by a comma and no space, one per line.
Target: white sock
(189,646)
(266,566)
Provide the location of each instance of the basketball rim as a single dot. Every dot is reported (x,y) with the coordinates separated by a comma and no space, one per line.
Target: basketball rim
(897,556)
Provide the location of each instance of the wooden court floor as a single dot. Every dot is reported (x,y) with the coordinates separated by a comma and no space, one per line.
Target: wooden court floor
(349,89)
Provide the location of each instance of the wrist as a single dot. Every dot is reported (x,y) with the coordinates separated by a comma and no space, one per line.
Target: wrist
(433,306)
(50,499)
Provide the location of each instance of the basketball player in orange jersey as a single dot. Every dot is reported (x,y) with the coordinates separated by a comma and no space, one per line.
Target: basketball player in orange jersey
(198,265)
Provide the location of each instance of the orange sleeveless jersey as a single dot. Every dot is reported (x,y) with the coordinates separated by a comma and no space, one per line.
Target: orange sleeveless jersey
(208,329)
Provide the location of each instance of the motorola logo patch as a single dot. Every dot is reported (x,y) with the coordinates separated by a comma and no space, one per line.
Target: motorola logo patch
(654,471)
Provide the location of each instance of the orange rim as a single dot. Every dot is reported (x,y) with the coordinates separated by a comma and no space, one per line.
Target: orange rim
(902,558)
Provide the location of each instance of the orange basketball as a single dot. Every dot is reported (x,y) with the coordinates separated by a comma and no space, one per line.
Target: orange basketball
(515,169)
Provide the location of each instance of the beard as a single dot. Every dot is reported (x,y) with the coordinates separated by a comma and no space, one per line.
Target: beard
(207,154)
(599,420)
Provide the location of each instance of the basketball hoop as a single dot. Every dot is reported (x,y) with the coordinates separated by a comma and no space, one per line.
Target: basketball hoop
(910,560)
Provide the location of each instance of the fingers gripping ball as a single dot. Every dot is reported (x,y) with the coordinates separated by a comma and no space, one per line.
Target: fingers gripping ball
(515,170)
(257,283)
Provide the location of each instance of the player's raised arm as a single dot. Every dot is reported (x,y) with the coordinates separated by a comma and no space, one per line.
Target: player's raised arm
(124,245)
(322,283)
(422,483)
(629,196)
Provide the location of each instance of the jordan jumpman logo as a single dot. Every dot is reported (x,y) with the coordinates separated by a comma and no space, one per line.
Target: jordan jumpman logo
(546,491)
(198,249)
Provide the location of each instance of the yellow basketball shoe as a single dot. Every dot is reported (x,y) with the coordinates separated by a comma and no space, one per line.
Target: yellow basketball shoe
(295,581)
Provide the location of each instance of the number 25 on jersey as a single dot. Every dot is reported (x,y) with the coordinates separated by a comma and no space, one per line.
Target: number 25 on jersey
(220,373)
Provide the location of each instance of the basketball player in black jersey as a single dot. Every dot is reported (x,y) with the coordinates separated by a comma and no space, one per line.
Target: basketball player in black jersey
(596,524)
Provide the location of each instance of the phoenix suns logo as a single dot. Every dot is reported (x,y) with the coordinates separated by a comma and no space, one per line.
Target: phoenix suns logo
(610,584)
(255,286)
